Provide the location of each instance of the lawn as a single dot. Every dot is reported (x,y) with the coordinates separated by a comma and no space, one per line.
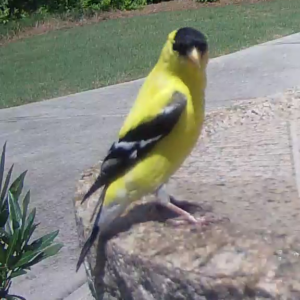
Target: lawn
(81,58)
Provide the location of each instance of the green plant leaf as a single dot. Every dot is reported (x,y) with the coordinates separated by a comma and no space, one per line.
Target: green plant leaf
(2,165)
(12,246)
(18,273)
(17,207)
(5,186)
(26,258)
(25,205)
(52,250)
(15,213)
(8,228)
(4,215)
(29,227)
(17,186)
(48,252)
(43,242)
(28,236)
(2,255)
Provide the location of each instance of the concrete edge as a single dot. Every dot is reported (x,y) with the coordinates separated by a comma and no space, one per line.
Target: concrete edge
(73,289)
(294,133)
(81,293)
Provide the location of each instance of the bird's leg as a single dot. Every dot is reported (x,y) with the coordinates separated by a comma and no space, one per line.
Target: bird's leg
(165,199)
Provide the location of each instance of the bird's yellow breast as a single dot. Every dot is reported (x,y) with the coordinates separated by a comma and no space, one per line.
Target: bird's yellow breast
(168,155)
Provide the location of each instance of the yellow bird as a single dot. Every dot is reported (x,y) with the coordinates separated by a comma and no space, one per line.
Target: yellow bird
(160,131)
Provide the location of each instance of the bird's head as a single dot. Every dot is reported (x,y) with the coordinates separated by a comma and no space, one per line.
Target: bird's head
(186,49)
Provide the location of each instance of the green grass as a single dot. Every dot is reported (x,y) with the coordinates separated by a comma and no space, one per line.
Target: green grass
(82,58)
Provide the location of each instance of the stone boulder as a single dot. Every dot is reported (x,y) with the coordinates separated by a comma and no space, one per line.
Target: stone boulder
(244,172)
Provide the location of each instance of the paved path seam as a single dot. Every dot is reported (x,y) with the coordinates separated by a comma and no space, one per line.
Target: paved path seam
(296,152)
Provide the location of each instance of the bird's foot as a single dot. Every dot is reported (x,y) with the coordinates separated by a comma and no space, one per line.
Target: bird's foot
(184,220)
(187,218)
(184,217)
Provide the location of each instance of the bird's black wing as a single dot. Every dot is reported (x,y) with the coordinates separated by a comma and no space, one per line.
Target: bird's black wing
(137,142)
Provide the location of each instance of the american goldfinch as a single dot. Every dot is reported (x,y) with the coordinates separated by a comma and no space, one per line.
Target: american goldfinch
(159,133)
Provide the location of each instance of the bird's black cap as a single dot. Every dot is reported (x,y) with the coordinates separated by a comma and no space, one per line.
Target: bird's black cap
(187,38)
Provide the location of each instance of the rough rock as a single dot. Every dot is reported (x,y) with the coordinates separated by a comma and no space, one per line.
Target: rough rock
(245,172)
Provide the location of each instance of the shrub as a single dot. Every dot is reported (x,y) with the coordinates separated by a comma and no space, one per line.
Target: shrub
(17,9)
(17,225)
(96,5)
(4,11)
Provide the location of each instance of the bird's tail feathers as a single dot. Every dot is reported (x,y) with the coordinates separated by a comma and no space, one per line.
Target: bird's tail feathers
(96,186)
(95,230)
(87,246)
(100,202)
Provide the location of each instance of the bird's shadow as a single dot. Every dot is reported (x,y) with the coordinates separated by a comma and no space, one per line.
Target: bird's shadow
(146,212)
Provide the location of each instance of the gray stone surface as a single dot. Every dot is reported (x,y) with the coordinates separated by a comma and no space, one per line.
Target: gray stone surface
(243,169)
(246,169)
(59,138)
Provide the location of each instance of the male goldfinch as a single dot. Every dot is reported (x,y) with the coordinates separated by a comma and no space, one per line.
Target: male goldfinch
(159,133)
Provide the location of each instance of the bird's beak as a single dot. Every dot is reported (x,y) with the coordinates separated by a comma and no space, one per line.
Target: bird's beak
(194,56)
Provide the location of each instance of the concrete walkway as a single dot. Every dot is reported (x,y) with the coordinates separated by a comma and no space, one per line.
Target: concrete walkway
(57,139)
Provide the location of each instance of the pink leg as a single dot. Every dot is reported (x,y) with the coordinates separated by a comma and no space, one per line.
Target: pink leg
(164,199)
